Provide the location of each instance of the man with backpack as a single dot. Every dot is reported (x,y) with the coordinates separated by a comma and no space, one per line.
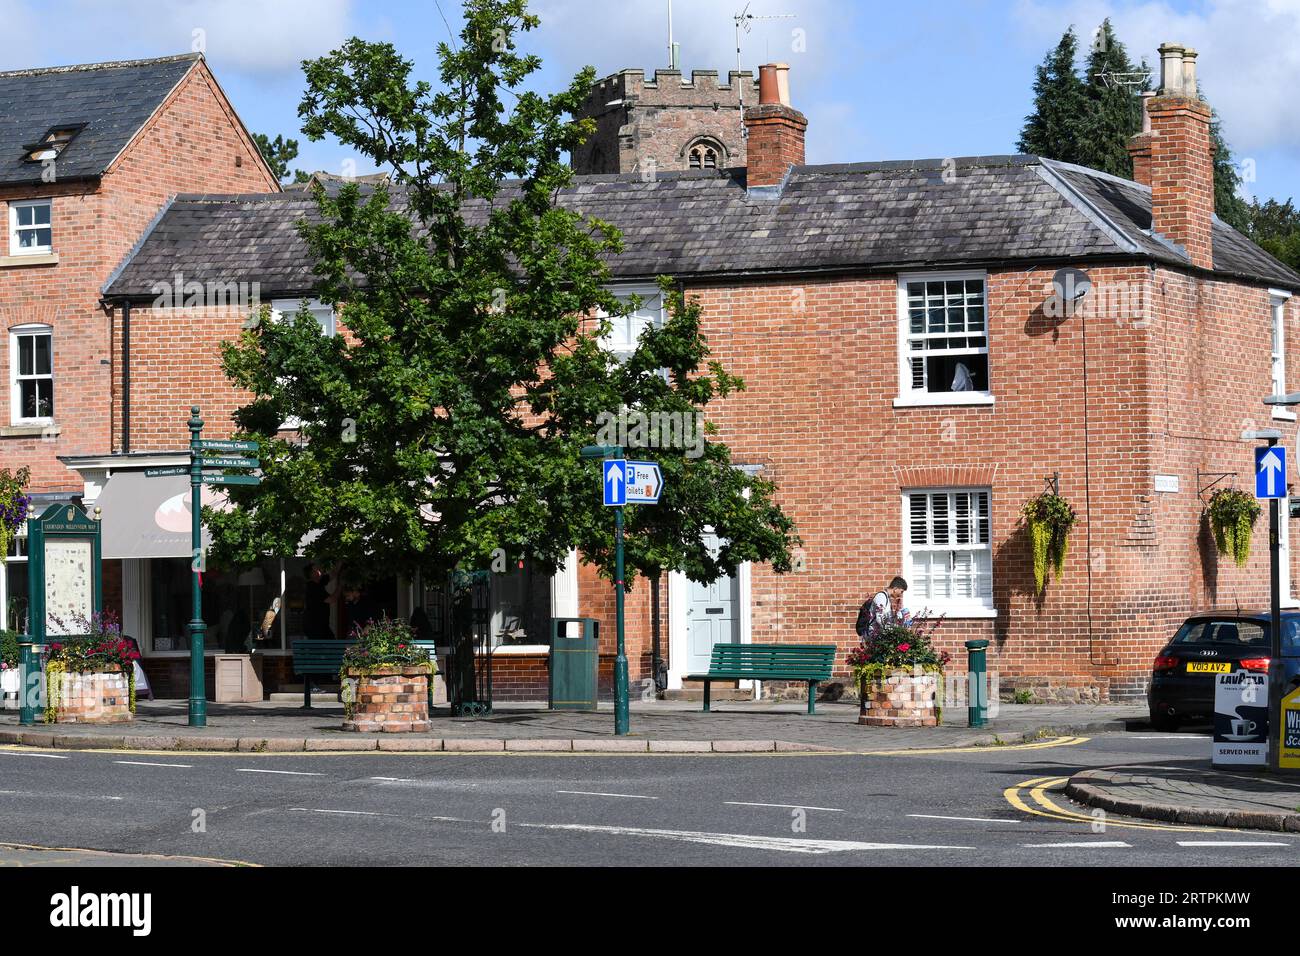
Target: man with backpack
(884,607)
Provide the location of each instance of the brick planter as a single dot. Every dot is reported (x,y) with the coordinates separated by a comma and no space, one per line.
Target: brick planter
(903,698)
(93,697)
(390,700)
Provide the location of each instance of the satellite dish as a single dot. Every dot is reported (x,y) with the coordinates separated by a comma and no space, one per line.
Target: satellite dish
(1071,285)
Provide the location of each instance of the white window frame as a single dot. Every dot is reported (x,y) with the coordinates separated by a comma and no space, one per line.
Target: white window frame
(979,607)
(15,249)
(289,308)
(16,416)
(909,396)
(653,312)
(1277,333)
(325,317)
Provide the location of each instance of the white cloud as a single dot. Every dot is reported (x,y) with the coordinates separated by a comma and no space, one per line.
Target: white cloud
(1249,63)
(250,36)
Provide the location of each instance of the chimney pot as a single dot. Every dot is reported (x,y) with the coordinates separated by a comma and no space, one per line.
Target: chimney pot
(1171,68)
(1189,72)
(783,83)
(768,85)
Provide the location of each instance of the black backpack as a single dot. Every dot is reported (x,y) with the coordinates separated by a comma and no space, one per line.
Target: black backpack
(865,614)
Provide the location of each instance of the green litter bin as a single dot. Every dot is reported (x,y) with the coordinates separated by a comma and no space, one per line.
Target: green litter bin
(574,664)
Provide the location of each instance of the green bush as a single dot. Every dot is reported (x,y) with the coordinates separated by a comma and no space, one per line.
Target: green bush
(8,649)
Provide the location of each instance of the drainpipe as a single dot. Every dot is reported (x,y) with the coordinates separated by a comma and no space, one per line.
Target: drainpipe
(126,377)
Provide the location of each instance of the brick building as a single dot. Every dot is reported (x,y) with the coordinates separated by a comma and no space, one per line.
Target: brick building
(88,156)
(914,376)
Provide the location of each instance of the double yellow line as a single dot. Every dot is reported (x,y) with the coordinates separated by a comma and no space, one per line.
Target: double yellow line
(1038,787)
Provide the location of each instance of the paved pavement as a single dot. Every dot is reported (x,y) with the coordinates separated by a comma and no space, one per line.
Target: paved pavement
(1193,791)
(655,725)
(976,807)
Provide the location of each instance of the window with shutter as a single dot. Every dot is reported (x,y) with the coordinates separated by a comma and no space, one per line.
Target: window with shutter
(948,553)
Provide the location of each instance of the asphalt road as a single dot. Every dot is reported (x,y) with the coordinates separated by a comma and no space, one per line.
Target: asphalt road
(991,806)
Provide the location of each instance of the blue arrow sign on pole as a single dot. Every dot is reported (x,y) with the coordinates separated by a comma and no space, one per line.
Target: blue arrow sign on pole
(614,482)
(1270,472)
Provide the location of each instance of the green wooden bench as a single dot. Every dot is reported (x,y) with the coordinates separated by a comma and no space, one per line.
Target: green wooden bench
(806,662)
(317,657)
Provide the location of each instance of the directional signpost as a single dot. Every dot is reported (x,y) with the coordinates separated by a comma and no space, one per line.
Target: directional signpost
(1270,484)
(205,453)
(623,482)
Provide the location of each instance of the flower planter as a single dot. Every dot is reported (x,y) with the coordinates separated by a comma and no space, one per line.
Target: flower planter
(901,698)
(90,697)
(389,699)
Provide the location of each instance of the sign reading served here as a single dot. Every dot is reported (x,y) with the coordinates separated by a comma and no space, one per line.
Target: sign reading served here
(1241,718)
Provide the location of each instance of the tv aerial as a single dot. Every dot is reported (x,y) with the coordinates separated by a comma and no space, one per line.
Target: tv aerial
(744,21)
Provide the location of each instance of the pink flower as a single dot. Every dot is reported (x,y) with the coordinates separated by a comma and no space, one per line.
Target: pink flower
(904,647)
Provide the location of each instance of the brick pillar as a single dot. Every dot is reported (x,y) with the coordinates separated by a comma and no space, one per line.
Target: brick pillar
(1182,161)
(775,130)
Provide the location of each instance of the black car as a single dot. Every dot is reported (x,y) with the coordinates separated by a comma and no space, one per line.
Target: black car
(1182,676)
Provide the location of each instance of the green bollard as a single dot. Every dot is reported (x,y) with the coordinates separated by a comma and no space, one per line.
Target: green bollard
(977,684)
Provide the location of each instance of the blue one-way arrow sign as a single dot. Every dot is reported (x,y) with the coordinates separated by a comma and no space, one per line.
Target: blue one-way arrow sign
(614,481)
(1270,472)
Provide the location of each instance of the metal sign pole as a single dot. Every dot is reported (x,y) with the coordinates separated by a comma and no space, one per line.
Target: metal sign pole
(198,692)
(621,718)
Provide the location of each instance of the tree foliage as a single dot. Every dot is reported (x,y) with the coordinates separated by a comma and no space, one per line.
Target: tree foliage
(443,427)
(279,153)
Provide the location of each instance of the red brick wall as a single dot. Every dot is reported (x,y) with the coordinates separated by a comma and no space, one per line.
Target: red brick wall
(192,144)
(1176,366)
(776,142)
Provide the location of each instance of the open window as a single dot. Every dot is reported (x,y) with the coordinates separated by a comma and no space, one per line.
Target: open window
(943,340)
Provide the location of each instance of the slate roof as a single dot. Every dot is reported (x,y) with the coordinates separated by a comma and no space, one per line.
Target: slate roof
(879,217)
(113,99)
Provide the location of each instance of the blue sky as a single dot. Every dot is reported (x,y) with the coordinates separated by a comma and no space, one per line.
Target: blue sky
(878,80)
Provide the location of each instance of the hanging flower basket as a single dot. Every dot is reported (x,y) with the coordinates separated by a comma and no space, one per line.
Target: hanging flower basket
(1049,518)
(13,507)
(1232,515)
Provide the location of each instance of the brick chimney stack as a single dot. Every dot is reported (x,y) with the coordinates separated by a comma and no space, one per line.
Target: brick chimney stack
(1139,147)
(775,129)
(1181,164)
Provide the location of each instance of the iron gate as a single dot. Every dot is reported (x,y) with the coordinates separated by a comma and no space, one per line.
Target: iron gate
(460,613)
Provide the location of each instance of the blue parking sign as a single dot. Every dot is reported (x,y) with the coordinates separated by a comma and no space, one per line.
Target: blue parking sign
(1270,472)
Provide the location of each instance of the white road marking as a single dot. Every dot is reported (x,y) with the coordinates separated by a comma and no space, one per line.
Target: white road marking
(146,763)
(356,813)
(935,816)
(20,753)
(1175,737)
(394,779)
(292,773)
(781,806)
(597,793)
(743,840)
(1098,845)
(1231,843)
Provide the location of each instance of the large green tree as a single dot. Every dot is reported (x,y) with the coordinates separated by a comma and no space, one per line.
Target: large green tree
(1060,104)
(1114,105)
(1276,226)
(444,427)
(279,153)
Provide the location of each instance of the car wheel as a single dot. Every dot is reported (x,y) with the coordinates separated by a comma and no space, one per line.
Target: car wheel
(1164,721)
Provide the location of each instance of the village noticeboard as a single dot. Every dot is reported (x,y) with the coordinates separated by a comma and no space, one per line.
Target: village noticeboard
(65,577)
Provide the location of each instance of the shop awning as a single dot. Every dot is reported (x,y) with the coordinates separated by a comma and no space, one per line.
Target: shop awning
(149,517)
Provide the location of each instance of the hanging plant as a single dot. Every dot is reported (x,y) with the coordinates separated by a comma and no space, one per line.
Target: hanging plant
(1232,515)
(1049,518)
(13,507)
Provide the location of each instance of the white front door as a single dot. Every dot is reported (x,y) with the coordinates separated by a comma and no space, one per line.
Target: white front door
(710,619)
